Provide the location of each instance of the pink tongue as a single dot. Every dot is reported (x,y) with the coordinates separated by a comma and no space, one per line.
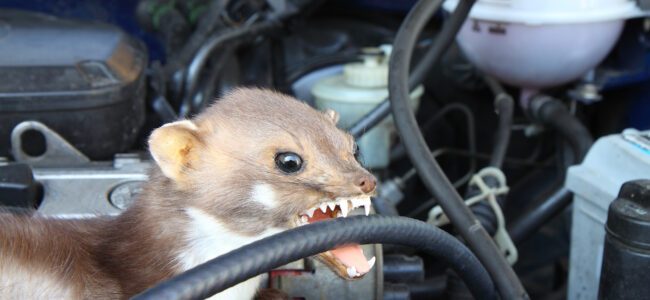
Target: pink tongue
(352,256)
(349,255)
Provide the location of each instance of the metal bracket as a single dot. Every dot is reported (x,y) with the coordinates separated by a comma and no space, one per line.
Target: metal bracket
(57,152)
(501,237)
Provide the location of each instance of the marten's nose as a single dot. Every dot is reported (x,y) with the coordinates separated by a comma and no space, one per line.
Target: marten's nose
(366,183)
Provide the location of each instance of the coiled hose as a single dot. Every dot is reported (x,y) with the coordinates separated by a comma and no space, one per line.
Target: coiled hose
(430,172)
(227,270)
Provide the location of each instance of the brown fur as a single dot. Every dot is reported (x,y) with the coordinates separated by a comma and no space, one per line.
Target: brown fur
(212,166)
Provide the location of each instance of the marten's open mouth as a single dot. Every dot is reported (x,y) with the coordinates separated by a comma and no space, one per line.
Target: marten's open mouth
(348,261)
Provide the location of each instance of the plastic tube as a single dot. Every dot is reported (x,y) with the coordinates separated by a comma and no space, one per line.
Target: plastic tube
(225,271)
(430,172)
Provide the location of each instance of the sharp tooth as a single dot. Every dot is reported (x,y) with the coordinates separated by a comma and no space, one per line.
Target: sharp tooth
(323,207)
(304,219)
(371,262)
(331,205)
(343,204)
(352,272)
(366,206)
(356,202)
(310,212)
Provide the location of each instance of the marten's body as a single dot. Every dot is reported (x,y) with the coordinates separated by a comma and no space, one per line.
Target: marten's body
(224,179)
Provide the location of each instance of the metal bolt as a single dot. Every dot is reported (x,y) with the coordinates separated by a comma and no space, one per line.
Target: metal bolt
(123,195)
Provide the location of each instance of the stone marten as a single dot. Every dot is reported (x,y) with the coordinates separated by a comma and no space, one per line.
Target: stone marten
(254,163)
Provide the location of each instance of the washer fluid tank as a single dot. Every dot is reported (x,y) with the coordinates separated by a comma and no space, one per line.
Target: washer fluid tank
(537,44)
(357,90)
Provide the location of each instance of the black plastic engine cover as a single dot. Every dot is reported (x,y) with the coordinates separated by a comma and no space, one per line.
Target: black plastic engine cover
(84,80)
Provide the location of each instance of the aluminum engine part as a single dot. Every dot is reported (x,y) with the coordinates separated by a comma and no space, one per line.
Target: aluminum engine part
(311,279)
(73,186)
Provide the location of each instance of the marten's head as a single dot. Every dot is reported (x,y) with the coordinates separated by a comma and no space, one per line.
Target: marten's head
(257,159)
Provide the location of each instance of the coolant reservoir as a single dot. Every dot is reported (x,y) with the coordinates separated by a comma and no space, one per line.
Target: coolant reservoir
(355,92)
(537,44)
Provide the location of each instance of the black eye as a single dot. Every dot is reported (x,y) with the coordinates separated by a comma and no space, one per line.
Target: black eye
(288,162)
(356,151)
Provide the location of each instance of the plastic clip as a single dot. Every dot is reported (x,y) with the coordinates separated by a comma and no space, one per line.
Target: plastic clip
(501,237)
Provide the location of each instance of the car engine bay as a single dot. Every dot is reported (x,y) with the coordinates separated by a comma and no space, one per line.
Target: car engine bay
(522,128)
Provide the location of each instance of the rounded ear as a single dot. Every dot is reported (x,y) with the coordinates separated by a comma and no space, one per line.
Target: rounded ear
(174,147)
(332,115)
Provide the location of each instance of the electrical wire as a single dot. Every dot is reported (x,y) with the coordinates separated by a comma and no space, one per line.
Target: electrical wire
(471,134)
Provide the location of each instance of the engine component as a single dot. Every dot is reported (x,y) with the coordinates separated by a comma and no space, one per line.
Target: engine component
(17,186)
(90,90)
(54,150)
(612,161)
(627,244)
(360,88)
(436,182)
(553,114)
(399,268)
(99,188)
(539,44)
(311,279)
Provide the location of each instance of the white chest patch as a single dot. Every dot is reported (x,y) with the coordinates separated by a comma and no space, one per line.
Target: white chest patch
(263,194)
(207,238)
(20,282)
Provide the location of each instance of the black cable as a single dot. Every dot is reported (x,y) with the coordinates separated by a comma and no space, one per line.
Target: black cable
(208,23)
(531,221)
(236,266)
(216,43)
(471,135)
(505,108)
(430,172)
(461,152)
(444,39)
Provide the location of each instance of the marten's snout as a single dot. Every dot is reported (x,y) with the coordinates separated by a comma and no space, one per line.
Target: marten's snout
(367,183)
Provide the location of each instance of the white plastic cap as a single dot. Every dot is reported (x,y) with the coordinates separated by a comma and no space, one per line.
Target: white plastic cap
(540,12)
(371,73)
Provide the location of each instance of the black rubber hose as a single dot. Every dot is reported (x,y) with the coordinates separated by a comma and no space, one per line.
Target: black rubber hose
(531,221)
(208,23)
(444,39)
(216,43)
(428,169)
(505,108)
(553,114)
(256,258)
